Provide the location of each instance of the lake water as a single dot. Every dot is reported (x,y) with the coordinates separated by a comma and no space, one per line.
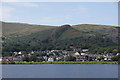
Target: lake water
(60,71)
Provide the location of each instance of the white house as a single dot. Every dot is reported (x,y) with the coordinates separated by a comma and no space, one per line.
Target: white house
(83,54)
(32,52)
(19,52)
(15,53)
(118,54)
(77,54)
(105,59)
(0,59)
(85,50)
(50,60)
(58,58)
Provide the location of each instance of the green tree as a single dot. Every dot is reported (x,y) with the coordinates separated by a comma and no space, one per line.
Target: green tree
(115,51)
(70,58)
(116,58)
(26,59)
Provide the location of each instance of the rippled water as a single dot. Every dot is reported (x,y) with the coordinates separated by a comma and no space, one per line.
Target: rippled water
(60,71)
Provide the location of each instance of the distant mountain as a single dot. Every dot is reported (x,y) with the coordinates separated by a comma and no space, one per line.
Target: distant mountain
(19,36)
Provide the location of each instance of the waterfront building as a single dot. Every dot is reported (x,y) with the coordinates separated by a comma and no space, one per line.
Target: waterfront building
(50,60)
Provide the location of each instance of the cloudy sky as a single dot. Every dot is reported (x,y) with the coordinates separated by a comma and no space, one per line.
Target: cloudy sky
(59,13)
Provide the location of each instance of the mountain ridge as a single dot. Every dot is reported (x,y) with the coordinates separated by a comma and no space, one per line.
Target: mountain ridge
(21,28)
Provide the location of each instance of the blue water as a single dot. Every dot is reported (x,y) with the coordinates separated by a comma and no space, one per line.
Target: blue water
(60,71)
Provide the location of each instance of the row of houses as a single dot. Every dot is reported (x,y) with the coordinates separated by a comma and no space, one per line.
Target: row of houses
(59,55)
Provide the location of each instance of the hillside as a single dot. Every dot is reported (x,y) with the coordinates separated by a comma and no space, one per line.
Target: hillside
(95,37)
(10,29)
(14,29)
(105,30)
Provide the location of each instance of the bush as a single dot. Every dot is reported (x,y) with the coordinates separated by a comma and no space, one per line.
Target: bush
(70,58)
(116,58)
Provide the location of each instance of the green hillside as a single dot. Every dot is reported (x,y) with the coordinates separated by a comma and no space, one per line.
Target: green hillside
(98,38)
(105,30)
(13,29)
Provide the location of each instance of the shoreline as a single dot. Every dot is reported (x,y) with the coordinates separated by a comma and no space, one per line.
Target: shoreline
(66,62)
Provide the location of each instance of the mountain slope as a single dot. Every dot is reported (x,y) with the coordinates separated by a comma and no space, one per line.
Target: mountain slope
(105,30)
(9,29)
(12,29)
(98,38)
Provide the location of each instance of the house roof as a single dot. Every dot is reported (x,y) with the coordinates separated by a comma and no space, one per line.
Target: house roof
(83,54)
(77,53)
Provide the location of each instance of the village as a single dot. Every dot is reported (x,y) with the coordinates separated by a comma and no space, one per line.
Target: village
(57,55)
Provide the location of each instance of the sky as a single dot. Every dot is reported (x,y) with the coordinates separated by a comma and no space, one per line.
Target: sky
(60,13)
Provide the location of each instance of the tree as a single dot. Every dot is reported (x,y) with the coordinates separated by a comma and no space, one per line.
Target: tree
(26,59)
(116,58)
(101,58)
(33,58)
(42,54)
(115,51)
(70,58)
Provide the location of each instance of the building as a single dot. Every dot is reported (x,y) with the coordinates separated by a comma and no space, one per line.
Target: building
(84,50)
(77,54)
(83,54)
(118,54)
(50,60)
(0,59)
(19,53)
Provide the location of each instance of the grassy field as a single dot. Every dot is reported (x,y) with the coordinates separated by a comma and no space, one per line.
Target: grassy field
(68,62)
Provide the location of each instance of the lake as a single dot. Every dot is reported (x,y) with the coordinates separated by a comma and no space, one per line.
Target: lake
(60,71)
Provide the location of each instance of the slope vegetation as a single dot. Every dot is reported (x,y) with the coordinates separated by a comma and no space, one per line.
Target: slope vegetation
(98,38)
